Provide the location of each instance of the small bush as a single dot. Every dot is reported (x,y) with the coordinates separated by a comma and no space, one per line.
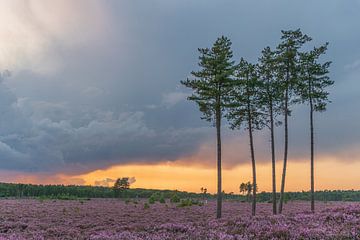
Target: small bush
(174,198)
(152,199)
(61,197)
(197,202)
(162,199)
(185,203)
(146,206)
(189,202)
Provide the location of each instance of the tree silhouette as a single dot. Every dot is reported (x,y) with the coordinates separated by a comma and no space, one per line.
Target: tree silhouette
(242,188)
(244,109)
(120,185)
(288,70)
(247,189)
(211,86)
(270,100)
(203,192)
(314,79)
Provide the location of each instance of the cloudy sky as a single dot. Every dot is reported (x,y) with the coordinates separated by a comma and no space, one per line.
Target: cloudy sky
(94,92)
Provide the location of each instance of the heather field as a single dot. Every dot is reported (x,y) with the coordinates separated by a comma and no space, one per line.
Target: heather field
(101,219)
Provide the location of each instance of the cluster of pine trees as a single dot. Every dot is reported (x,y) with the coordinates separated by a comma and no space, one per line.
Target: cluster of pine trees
(254,96)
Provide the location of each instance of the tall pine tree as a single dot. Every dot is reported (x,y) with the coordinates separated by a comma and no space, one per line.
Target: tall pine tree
(244,109)
(211,86)
(270,100)
(288,71)
(312,90)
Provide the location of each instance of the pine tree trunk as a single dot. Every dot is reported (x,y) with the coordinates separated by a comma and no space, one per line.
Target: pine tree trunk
(253,207)
(285,151)
(218,137)
(273,160)
(312,153)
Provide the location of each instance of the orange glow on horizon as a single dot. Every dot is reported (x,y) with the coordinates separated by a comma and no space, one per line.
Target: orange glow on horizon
(329,175)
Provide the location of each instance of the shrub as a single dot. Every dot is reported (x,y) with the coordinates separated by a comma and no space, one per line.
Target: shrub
(162,199)
(174,198)
(185,203)
(146,205)
(189,202)
(152,199)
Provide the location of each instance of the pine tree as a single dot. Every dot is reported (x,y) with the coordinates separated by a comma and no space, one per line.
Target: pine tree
(244,109)
(270,100)
(288,70)
(211,86)
(314,79)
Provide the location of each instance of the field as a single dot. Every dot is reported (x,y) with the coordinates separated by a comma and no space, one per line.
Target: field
(99,219)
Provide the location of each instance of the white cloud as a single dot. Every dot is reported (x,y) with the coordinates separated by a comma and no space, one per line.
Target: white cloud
(173,98)
(92,91)
(353,66)
(108,182)
(32,31)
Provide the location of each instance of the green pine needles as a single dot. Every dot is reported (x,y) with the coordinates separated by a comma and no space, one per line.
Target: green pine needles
(254,96)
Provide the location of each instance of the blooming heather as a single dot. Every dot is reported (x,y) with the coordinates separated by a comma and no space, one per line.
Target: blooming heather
(111,219)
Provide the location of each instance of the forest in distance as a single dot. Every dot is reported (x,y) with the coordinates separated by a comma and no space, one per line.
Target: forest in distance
(17,190)
(179,120)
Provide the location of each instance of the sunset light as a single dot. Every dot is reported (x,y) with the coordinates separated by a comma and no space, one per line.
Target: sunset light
(179,120)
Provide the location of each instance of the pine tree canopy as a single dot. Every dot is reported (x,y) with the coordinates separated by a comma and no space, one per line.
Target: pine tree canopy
(314,78)
(212,83)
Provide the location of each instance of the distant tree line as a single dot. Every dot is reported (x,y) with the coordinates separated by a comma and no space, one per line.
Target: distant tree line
(253,96)
(14,190)
(324,196)
(20,190)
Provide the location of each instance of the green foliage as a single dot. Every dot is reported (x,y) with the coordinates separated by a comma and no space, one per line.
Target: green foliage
(270,95)
(287,63)
(162,199)
(243,102)
(211,85)
(153,198)
(121,185)
(189,202)
(287,66)
(286,198)
(314,79)
(185,203)
(61,197)
(212,82)
(146,206)
(175,198)
(86,192)
(157,197)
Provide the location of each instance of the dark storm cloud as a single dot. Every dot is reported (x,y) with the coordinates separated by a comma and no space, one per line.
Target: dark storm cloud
(117,99)
(61,137)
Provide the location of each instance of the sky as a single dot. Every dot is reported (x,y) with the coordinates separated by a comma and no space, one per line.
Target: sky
(90,91)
